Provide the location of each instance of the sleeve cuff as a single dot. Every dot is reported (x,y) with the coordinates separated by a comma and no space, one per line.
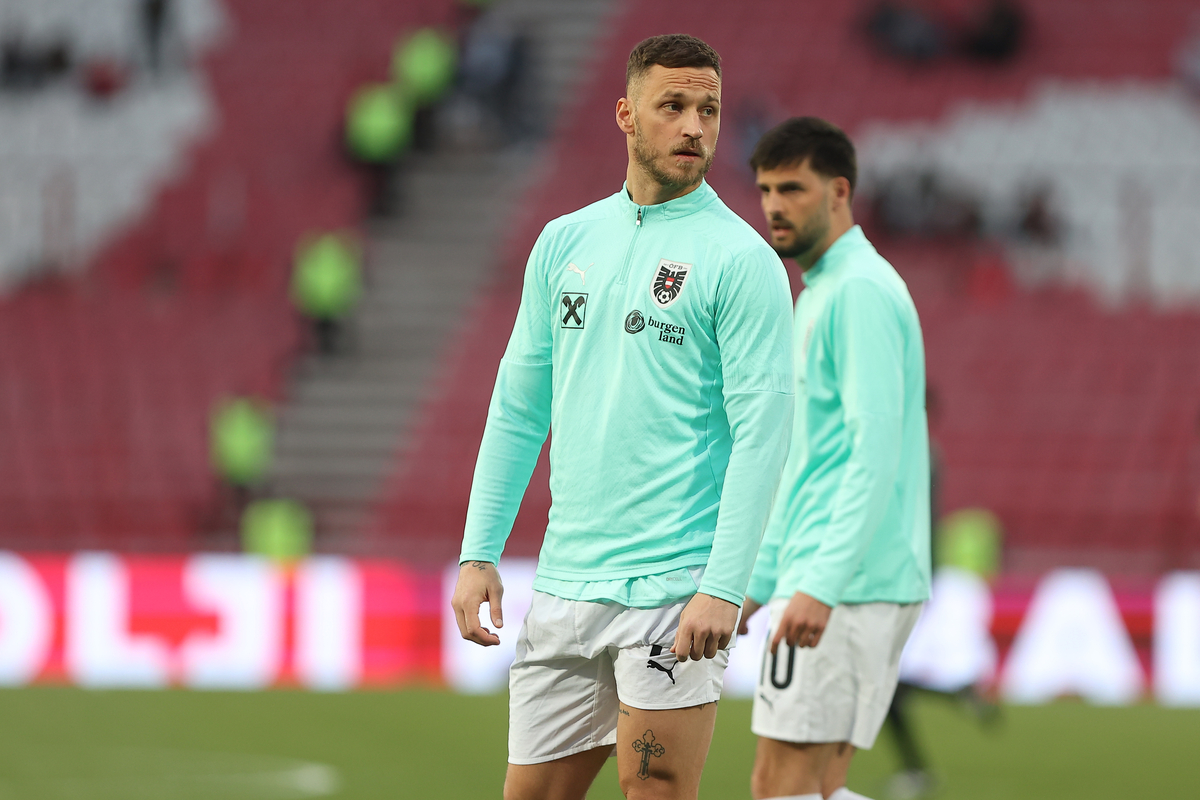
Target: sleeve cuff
(760,590)
(465,557)
(822,593)
(731,597)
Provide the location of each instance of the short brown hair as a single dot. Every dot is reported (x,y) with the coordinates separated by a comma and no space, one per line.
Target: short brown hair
(827,148)
(673,51)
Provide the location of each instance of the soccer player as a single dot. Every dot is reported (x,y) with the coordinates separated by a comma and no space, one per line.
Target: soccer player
(845,561)
(654,338)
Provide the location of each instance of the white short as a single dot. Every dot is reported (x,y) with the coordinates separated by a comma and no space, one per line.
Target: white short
(575,659)
(840,690)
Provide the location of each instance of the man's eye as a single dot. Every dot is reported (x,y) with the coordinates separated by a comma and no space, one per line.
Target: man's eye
(708,112)
(671,106)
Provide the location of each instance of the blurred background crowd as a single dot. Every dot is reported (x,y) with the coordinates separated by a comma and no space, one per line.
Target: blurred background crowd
(267,250)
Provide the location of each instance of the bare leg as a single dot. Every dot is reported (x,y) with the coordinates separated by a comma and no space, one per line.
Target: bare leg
(836,769)
(782,769)
(562,779)
(660,754)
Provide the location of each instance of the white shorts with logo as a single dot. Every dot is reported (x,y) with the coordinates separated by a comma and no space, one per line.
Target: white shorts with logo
(840,690)
(576,659)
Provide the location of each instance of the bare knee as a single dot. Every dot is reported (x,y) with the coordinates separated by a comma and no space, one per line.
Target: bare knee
(517,789)
(770,779)
(782,769)
(562,779)
(760,779)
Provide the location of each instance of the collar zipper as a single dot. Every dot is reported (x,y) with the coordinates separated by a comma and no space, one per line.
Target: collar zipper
(623,278)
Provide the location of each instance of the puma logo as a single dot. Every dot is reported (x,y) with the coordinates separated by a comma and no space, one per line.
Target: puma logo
(656,650)
(582,272)
(767,700)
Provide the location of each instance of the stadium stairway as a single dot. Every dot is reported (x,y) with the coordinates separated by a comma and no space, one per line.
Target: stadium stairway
(1070,419)
(347,416)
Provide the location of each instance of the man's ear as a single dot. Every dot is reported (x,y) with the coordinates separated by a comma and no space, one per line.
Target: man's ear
(841,192)
(625,115)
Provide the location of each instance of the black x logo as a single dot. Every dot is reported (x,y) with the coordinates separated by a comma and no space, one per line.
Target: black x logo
(574,303)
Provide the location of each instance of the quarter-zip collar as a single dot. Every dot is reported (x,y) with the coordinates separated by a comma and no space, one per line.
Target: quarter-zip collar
(690,203)
(846,243)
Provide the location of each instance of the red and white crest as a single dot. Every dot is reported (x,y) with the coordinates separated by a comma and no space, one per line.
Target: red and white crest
(668,282)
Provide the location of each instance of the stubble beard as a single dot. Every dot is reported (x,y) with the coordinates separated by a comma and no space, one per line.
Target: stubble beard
(670,178)
(812,234)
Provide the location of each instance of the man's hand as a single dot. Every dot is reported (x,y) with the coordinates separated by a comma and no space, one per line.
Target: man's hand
(705,626)
(802,623)
(748,608)
(478,583)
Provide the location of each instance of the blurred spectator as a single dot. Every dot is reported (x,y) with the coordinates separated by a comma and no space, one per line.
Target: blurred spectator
(154,17)
(906,32)
(278,529)
(326,283)
(242,437)
(1037,221)
(971,540)
(916,32)
(950,652)
(26,66)
(997,34)
(378,123)
(379,130)
(922,203)
(754,116)
(493,72)
(966,543)
(423,65)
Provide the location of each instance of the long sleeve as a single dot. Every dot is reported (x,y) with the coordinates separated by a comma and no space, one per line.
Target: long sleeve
(517,424)
(867,345)
(766,567)
(754,332)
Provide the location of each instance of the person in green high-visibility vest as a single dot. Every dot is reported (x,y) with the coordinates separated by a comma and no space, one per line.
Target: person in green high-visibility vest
(326,284)
(379,128)
(379,123)
(277,528)
(241,440)
(425,64)
(969,541)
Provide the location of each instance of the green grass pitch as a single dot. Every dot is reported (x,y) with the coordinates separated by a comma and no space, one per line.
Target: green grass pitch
(60,744)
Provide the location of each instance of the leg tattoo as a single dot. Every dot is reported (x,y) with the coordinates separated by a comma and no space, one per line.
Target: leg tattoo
(647,747)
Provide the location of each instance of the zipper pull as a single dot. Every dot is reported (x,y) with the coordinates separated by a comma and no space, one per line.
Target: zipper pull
(639,218)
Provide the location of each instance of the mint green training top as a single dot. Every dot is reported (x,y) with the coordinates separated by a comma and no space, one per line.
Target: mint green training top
(851,520)
(655,341)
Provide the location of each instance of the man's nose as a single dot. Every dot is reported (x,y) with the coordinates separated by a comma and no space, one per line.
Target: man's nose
(691,125)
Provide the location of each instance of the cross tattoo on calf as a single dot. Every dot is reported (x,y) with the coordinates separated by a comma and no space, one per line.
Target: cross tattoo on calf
(647,747)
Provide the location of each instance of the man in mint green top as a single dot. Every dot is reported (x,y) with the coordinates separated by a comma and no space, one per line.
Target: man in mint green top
(844,564)
(654,339)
